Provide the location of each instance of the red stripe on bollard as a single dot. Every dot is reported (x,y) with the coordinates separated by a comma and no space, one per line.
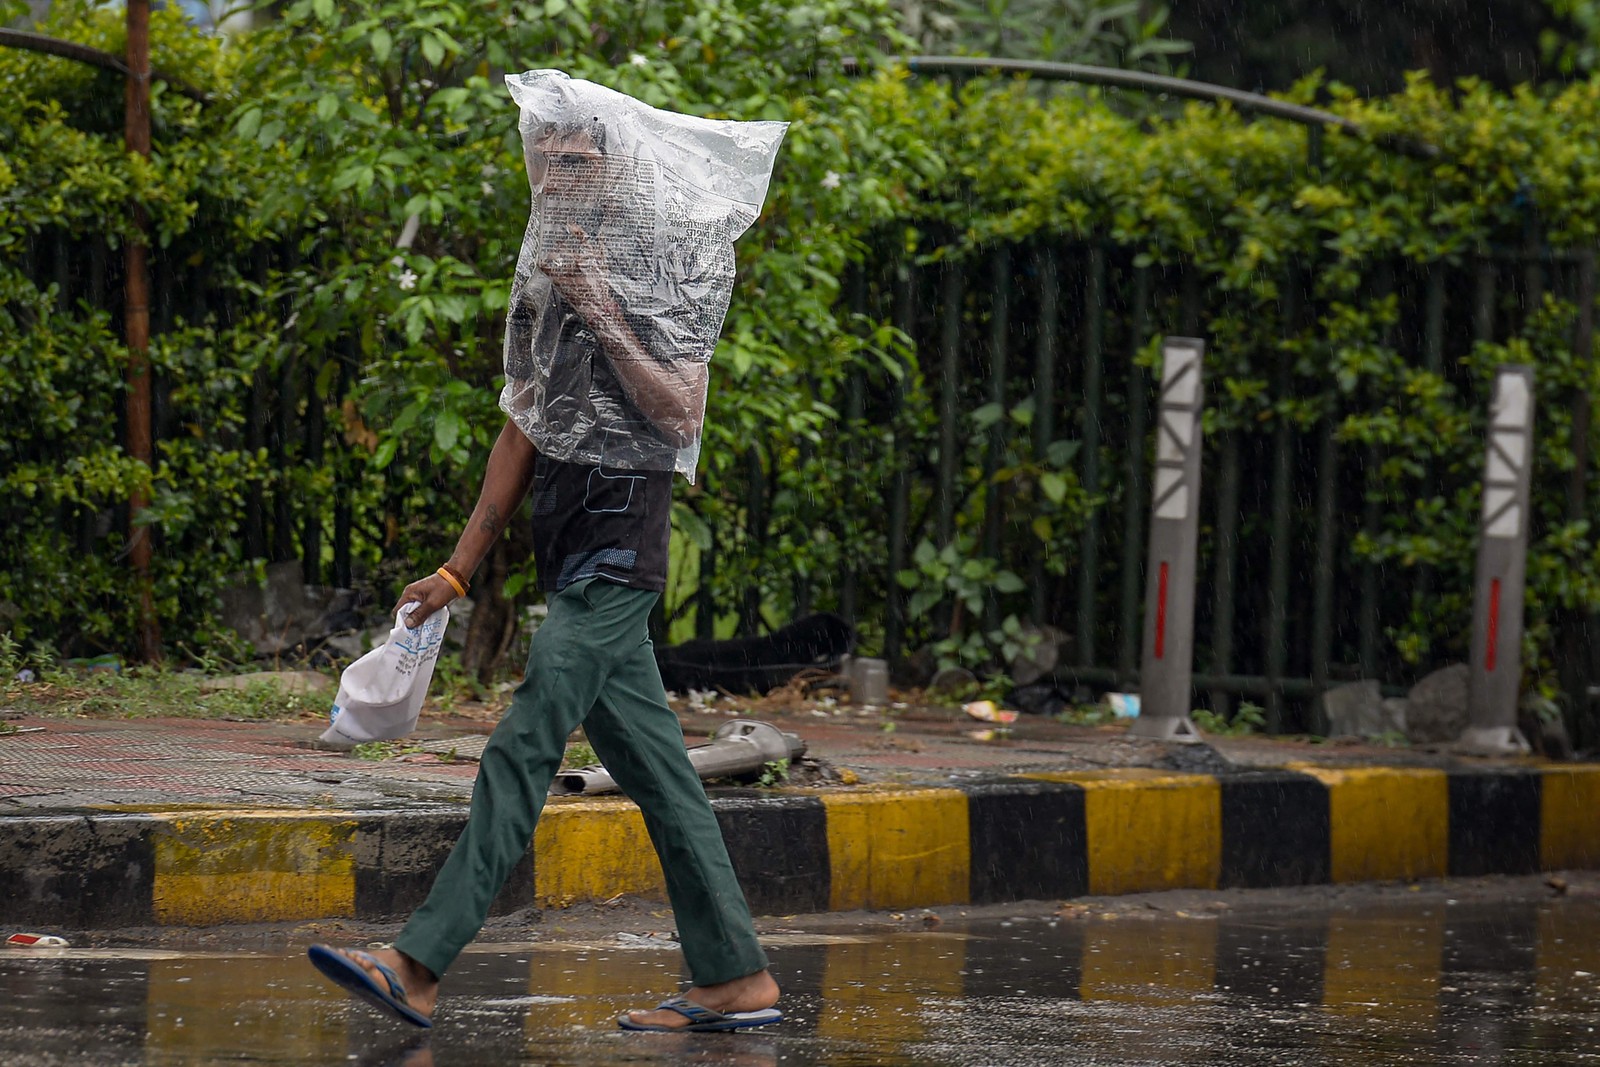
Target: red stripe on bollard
(1494,624)
(1161,613)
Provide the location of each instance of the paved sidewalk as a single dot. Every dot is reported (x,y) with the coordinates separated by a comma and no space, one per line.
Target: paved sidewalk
(104,823)
(62,766)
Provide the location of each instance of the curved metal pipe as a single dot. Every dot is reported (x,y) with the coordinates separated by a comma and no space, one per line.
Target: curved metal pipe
(739,747)
(1141,81)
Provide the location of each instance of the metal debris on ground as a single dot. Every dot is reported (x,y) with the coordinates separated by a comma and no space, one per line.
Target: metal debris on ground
(989,711)
(738,748)
(36,941)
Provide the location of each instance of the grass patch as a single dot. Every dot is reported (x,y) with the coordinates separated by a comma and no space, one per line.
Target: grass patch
(1087,715)
(773,774)
(382,750)
(58,689)
(1248,719)
(157,693)
(453,685)
(579,754)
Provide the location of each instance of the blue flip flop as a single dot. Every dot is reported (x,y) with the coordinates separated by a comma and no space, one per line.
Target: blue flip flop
(348,974)
(702,1020)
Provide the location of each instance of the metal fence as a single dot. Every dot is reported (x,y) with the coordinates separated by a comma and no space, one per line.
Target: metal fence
(1285,608)
(292,410)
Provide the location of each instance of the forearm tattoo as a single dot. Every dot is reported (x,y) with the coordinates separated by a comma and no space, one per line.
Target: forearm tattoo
(492,523)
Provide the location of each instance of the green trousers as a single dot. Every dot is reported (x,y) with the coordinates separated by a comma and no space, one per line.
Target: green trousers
(592,663)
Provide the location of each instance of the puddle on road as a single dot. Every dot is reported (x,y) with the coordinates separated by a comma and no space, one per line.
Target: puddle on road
(1420,984)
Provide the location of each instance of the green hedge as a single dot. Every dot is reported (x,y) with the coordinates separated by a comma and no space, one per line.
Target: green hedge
(1208,190)
(283,198)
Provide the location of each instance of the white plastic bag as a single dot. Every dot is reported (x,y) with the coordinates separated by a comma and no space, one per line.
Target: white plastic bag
(626,269)
(380,694)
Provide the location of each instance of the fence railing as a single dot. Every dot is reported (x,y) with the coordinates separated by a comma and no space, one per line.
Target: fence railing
(1285,607)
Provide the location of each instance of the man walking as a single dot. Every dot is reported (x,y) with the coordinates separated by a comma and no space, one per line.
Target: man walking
(611,392)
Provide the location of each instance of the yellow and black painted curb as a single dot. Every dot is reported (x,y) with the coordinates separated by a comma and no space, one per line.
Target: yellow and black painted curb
(1043,836)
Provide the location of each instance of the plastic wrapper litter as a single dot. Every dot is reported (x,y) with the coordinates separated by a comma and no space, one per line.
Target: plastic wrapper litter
(626,269)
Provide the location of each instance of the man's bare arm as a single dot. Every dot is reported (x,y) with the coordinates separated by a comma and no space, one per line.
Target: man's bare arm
(671,395)
(506,481)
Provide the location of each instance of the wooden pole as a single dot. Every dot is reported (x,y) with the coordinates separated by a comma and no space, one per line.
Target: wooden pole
(137,327)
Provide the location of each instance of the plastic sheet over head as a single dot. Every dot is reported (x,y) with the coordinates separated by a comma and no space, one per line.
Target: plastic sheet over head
(626,269)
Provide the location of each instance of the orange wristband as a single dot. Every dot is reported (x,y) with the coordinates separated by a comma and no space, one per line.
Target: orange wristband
(455,583)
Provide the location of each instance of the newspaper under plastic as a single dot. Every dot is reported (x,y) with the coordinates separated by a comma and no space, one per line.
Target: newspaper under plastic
(626,269)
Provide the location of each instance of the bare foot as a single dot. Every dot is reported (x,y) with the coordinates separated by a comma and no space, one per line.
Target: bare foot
(753,992)
(422,988)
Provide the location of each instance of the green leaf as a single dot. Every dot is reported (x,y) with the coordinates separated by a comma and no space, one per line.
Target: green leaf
(447,42)
(448,428)
(451,99)
(382,44)
(692,526)
(323,10)
(349,176)
(1060,453)
(327,106)
(922,600)
(416,319)
(987,416)
(1054,486)
(452,307)
(432,50)
(407,418)
(1007,582)
(249,123)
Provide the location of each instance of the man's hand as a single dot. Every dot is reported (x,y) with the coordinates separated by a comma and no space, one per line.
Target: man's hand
(576,265)
(430,594)
(671,396)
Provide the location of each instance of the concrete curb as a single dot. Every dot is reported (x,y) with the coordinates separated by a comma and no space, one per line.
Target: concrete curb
(1042,836)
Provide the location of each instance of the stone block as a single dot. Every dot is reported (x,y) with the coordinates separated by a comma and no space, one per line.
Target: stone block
(1436,707)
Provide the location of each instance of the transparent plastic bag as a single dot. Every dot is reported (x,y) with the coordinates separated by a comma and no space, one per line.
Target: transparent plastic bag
(626,269)
(381,694)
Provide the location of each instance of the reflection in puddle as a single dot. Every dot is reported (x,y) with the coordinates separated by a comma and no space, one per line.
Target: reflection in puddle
(1424,984)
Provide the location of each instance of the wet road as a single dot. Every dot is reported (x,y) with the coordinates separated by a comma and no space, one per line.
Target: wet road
(1424,983)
